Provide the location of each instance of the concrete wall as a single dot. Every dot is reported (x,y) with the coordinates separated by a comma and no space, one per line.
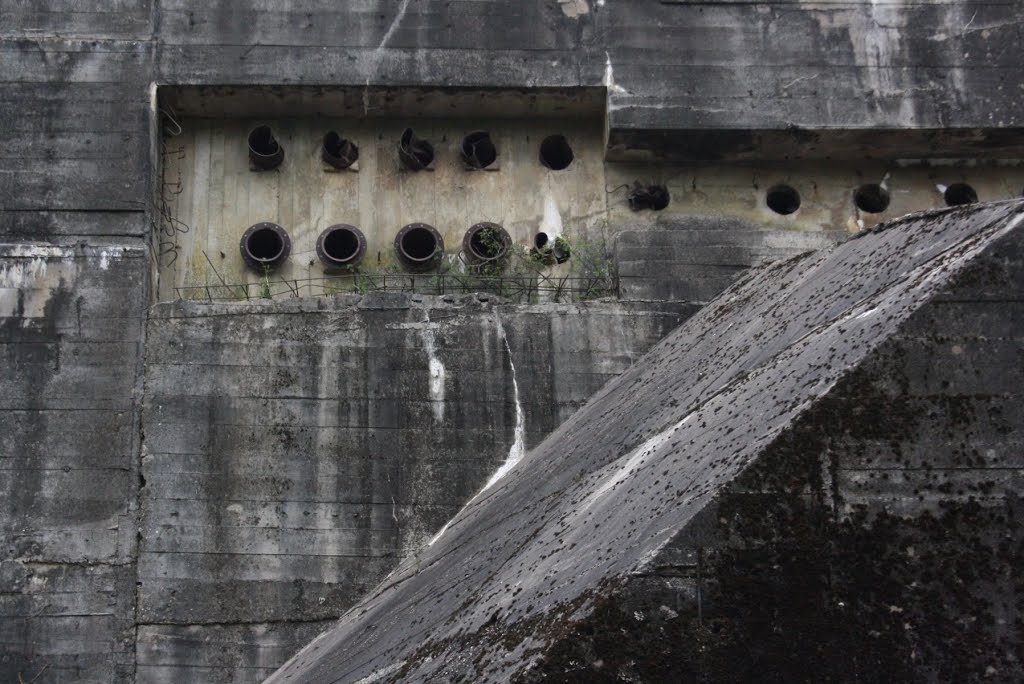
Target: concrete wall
(686,80)
(220,197)
(210,195)
(294,452)
(70,352)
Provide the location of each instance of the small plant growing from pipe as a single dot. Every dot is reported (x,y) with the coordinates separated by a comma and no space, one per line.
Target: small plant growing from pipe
(265,283)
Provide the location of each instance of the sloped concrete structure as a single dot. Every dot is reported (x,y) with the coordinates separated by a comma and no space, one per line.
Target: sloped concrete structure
(816,477)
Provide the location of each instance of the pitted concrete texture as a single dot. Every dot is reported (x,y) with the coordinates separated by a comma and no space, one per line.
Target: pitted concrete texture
(816,477)
(295,451)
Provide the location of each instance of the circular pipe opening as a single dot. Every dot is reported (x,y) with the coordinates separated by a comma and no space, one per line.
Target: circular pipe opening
(265,245)
(478,150)
(783,199)
(871,198)
(264,150)
(419,245)
(540,241)
(341,245)
(556,153)
(486,242)
(339,152)
(958,194)
(415,154)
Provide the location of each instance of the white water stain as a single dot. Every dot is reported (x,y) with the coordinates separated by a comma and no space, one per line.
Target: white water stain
(28,276)
(436,378)
(609,77)
(551,222)
(574,8)
(518,448)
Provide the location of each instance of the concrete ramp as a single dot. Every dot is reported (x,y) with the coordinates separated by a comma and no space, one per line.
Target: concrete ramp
(815,478)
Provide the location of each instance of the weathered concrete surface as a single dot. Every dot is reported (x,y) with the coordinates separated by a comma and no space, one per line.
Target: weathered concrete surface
(70,354)
(295,451)
(75,166)
(815,477)
(686,80)
(695,258)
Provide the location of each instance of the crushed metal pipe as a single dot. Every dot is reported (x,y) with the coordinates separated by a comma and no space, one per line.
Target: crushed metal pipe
(416,154)
(478,150)
(339,152)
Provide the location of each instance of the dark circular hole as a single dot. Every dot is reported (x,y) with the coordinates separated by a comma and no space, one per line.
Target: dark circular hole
(540,240)
(871,198)
(783,199)
(261,141)
(958,194)
(265,244)
(341,244)
(419,244)
(555,152)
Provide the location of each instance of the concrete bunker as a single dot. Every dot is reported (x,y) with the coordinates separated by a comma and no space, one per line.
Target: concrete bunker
(339,152)
(871,198)
(341,245)
(265,245)
(419,246)
(486,242)
(959,194)
(556,152)
(265,152)
(415,153)
(782,199)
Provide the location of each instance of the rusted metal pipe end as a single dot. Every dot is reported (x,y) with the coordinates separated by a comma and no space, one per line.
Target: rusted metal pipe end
(556,153)
(339,152)
(419,246)
(486,242)
(341,245)
(542,248)
(648,197)
(265,245)
(478,150)
(264,151)
(416,154)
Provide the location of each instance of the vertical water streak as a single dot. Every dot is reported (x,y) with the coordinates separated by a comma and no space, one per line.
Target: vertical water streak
(436,376)
(518,449)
